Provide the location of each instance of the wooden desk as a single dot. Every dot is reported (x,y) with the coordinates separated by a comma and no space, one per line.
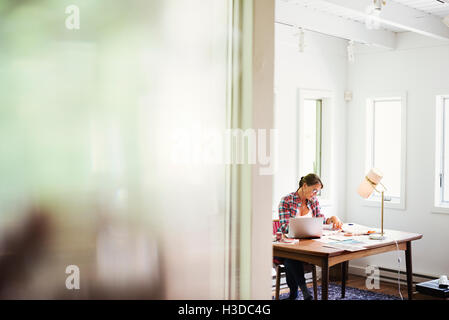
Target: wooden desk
(313,252)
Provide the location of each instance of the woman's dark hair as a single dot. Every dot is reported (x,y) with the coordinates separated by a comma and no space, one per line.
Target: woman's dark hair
(310,179)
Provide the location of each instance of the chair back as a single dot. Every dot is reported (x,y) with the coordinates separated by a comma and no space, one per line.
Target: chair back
(276,225)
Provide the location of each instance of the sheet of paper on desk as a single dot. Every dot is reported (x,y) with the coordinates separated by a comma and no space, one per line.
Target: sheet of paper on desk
(355,229)
(339,237)
(344,246)
(327,233)
(342,243)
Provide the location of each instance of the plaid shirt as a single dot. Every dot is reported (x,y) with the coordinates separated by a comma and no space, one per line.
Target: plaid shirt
(289,206)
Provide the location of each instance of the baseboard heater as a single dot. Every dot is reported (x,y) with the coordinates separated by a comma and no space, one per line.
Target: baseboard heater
(386,275)
(391,275)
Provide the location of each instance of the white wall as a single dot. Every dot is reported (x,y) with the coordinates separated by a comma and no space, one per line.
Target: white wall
(262,118)
(420,67)
(322,66)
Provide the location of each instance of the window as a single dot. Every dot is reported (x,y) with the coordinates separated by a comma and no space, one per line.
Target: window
(386,146)
(314,149)
(311,150)
(306,143)
(442,153)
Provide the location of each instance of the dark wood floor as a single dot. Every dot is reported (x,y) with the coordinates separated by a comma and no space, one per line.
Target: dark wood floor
(385,288)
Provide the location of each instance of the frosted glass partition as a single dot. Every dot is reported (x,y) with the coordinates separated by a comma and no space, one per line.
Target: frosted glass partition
(106,108)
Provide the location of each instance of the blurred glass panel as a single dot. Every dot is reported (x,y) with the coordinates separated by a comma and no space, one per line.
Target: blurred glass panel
(87,130)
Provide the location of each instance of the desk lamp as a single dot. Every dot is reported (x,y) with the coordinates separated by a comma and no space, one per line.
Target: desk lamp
(366,188)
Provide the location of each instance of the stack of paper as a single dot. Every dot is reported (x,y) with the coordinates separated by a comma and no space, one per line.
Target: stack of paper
(290,241)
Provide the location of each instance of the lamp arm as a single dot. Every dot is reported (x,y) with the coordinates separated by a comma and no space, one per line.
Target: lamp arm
(384,188)
(374,185)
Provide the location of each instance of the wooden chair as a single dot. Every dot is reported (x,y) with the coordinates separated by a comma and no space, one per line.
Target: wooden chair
(279,267)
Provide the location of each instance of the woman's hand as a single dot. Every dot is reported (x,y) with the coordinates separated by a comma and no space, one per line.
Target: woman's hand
(336,223)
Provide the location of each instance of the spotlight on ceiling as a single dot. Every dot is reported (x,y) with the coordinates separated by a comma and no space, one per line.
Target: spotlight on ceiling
(378,5)
(300,35)
(350,51)
(446,21)
(372,14)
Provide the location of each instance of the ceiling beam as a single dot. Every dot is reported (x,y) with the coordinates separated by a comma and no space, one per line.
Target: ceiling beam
(399,16)
(332,25)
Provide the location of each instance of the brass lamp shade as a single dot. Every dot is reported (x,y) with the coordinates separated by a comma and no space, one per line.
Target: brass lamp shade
(369,184)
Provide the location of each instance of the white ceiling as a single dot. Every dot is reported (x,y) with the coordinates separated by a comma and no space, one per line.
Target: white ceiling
(433,7)
(326,7)
(420,16)
(426,7)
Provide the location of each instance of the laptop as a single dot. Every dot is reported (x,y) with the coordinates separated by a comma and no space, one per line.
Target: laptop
(303,228)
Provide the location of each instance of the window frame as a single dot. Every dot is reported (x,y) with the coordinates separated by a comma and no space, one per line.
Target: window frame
(327,99)
(439,205)
(318,134)
(374,201)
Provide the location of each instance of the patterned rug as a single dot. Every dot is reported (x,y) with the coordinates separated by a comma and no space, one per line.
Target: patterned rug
(351,294)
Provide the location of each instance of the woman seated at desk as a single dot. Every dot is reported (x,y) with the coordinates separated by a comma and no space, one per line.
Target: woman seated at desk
(301,203)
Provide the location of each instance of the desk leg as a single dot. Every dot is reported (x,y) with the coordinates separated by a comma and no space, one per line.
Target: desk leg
(408,262)
(315,284)
(324,279)
(278,282)
(344,266)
